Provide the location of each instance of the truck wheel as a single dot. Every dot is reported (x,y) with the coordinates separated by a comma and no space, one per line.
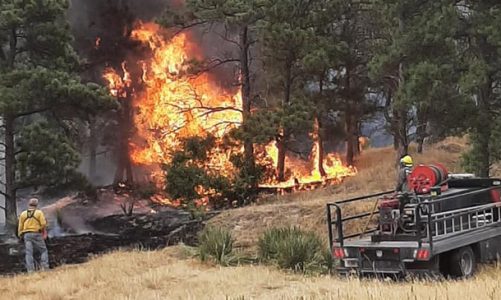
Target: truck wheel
(462,263)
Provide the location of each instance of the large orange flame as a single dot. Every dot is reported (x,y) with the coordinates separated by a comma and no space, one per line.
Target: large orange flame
(175,104)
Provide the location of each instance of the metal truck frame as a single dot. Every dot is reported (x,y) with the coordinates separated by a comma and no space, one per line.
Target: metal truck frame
(446,242)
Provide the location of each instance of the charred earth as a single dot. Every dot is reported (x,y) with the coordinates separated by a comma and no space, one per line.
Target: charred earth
(82,229)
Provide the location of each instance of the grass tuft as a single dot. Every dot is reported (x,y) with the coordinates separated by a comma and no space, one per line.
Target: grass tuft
(292,248)
(216,244)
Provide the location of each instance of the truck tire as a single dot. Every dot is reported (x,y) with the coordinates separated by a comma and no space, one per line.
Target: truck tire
(462,263)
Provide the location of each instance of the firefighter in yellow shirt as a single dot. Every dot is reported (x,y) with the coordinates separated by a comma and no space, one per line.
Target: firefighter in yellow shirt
(32,229)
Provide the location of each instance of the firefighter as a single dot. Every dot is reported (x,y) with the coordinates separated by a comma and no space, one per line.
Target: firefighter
(405,169)
(32,229)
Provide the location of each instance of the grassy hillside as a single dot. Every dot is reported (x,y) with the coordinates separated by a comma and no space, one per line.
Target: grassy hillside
(377,173)
(170,274)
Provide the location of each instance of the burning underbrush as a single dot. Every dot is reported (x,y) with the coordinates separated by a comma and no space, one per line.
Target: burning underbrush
(306,209)
(173,100)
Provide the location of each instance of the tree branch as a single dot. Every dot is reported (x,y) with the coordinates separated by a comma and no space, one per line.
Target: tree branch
(28,113)
(217,62)
(19,152)
(184,27)
(225,37)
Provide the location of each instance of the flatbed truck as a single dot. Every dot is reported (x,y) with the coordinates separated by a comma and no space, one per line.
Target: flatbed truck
(445,227)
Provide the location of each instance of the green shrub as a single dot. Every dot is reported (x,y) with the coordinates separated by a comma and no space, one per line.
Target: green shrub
(196,212)
(292,248)
(216,244)
(328,262)
(269,243)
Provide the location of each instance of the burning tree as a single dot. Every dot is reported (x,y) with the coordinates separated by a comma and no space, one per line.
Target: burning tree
(239,31)
(180,94)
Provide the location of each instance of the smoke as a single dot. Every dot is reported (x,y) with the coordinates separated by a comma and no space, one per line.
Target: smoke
(92,18)
(108,21)
(111,20)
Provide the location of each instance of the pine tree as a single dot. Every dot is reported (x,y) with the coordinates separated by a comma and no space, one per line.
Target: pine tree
(480,45)
(40,94)
(415,65)
(286,33)
(339,60)
(237,20)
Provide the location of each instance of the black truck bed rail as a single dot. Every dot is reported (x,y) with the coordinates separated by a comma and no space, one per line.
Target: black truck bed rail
(335,225)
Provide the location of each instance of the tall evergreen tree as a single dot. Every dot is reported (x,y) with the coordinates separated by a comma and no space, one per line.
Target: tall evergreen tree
(341,55)
(38,83)
(415,65)
(480,46)
(286,32)
(237,20)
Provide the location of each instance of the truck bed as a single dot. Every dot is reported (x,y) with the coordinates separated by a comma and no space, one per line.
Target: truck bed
(440,245)
(440,225)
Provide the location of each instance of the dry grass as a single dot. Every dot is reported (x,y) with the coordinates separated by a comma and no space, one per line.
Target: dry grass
(167,275)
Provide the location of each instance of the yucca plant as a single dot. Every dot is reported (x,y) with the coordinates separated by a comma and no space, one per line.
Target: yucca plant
(291,248)
(216,244)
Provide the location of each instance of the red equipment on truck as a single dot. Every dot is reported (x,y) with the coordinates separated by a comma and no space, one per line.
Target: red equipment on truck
(446,224)
(423,178)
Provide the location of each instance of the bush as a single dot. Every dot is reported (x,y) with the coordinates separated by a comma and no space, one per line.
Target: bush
(197,212)
(328,262)
(216,244)
(291,248)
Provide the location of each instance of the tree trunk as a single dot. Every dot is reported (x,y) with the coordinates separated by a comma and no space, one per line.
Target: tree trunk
(358,146)
(484,154)
(403,148)
(320,143)
(92,148)
(422,118)
(320,133)
(396,143)
(349,120)
(350,143)
(356,136)
(484,131)
(10,173)
(10,152)
(282,142)
(281,145)
(420,142)
(246,92)
(124,168)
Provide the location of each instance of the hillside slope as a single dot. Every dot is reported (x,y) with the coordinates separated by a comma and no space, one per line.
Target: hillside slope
(170,274)
(376,173)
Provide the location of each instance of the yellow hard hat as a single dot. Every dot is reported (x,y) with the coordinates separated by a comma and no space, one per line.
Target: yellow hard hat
(406,160)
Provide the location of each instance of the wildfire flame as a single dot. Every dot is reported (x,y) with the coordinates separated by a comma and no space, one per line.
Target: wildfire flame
(174,104)
(307,172)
